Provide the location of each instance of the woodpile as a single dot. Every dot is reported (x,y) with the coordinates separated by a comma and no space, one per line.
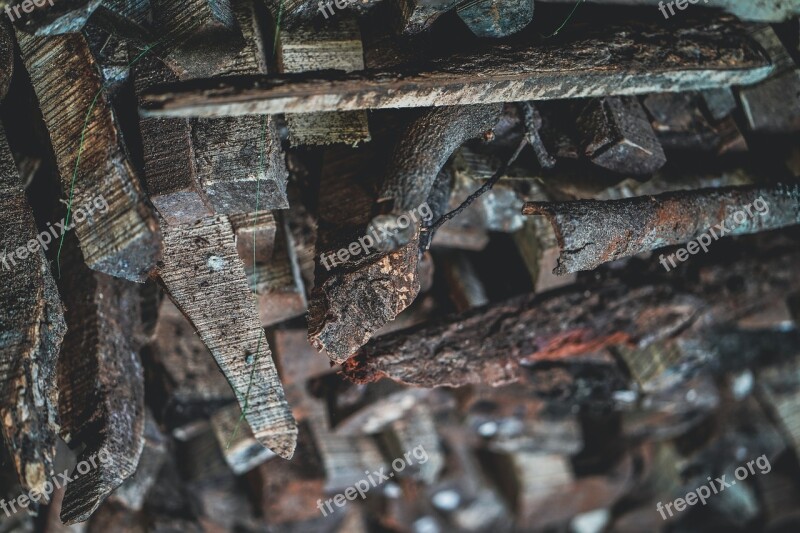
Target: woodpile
(399,265)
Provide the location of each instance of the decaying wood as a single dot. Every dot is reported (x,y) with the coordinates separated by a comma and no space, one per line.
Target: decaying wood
(765,105)
(694,58)
(100,382)
(556,326)
(204,276)
(335,46)
(124,239)
(32,326)
(190,381)
(517,332)
(353,300)
(592,232)
(762,11)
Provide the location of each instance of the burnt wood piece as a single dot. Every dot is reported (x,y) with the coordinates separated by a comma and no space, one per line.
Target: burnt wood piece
(593,232)
(496,18)
(123,240)
(571,323)
(617,136)
(699,57)
(334,46)
(55,17)
(204,276)
(100,382)
(419,154)
(6,60)
(32,328)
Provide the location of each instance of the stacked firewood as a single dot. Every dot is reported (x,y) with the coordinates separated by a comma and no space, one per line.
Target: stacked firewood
(398,266)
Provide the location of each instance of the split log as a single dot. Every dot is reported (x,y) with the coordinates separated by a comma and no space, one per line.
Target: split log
(124,239)
(32,328)
(592,232)
(595,65)
(101,383)
(204,276)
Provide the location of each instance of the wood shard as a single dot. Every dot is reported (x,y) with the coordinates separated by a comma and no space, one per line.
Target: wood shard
(101,384)
(696,58)
(592,232)
(32,326)
(124,239)
(204,276)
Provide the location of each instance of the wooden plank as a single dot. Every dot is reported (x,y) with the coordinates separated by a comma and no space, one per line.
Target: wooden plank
(597,64)
(124,240)
(204,276)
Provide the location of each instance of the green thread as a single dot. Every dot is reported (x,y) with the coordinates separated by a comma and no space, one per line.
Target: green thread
(255,216)
(80,152)
(574,9)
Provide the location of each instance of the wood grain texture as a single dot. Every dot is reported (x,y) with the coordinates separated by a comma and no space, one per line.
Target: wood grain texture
(101,383)
(32,328)
(636,59)
(124,240)
(335,46)
(205,278)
